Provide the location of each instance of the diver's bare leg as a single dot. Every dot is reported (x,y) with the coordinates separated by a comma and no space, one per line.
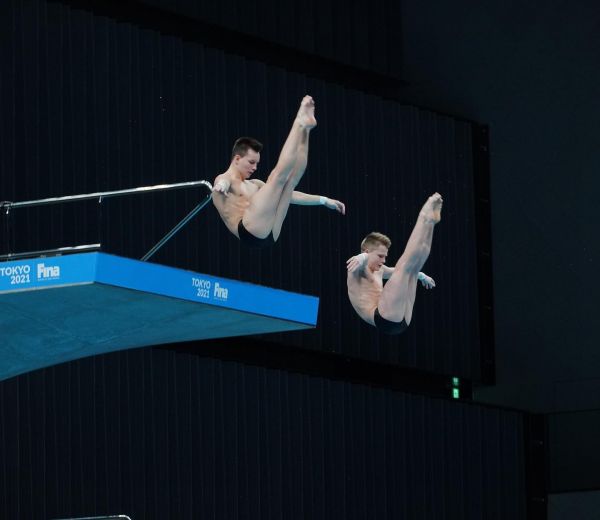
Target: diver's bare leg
(398,296)
(259,218)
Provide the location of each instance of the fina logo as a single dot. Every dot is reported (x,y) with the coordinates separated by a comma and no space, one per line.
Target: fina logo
(50,272)
(220,293)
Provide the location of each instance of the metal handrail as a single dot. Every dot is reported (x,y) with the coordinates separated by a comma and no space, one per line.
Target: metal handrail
(110,517)
(48,252)
(102,194)
(6,206)
(175,229)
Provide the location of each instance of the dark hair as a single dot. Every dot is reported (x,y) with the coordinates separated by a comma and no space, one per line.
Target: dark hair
(240,147)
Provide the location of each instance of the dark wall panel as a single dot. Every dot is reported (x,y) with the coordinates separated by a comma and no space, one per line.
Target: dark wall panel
(88,103)
(361,34)
(574,452)
(158,434)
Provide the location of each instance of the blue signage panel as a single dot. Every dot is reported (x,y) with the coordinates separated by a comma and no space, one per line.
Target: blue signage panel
(59,271)
(43,273)
(191,286)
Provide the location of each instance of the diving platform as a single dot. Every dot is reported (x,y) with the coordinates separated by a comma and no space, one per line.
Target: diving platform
(61,308)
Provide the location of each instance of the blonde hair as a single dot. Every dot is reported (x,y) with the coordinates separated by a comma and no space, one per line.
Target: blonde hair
(373,240)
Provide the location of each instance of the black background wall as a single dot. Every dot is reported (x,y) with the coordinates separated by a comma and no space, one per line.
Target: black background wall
(361,35)
(91,103)
(158,434)
(80,91)
(531,72)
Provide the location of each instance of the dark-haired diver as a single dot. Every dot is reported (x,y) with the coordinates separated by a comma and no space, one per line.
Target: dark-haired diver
(254,210)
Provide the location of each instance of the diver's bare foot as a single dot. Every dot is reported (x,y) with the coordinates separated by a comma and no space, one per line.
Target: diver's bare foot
(432,209)
(306,114)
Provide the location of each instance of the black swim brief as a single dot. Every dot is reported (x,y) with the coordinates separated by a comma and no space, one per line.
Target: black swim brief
(388,327)
(250,240)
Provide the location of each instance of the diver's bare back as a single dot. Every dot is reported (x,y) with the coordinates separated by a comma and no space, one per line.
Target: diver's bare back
(232,208)
(364,291)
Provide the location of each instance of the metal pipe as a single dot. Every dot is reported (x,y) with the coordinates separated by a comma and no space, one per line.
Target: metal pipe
(6,206)
(51,252)
(182,223)
(103,194)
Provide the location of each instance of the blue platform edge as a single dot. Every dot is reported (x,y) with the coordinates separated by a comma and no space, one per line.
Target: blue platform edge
(103,268)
